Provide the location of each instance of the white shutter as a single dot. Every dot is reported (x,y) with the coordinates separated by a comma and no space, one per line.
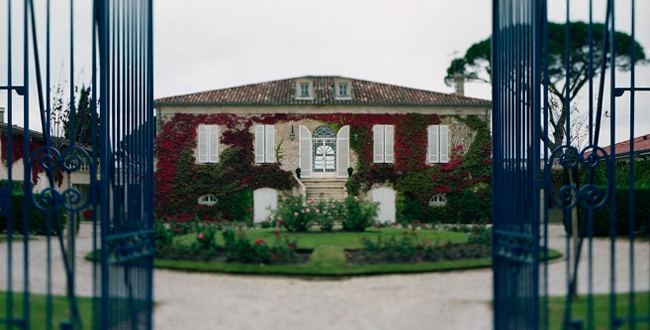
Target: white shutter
(270,143)
(444,144)
(378,150)
(214,144)
(343,152)
(305,151)
(433,144)
(203,144)
(259,143)
(388,135)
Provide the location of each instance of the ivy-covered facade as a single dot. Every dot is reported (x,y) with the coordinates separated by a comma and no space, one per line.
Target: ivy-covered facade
(215,150)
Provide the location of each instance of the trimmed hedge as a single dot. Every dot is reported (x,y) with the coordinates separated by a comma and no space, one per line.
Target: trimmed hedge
(641,212)
(37,218)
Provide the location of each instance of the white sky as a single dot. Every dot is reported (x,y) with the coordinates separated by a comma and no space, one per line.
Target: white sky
(203,45)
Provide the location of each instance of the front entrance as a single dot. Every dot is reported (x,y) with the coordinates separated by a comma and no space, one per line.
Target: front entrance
(324,149)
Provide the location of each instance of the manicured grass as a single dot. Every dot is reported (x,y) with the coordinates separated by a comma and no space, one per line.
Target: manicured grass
(601,310)
(37,315)
(328,257)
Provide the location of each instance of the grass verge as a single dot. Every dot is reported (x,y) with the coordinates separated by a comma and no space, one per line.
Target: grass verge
(601,310)
(38,316)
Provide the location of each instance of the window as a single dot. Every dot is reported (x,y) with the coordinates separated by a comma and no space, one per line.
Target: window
(383,144)
(208,200)
(208,144)
(438,148)
(342,89)
(264,144)
(438,200)
(304,89)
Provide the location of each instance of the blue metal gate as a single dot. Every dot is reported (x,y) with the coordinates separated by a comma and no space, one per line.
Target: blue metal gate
(538,69)
(89,156)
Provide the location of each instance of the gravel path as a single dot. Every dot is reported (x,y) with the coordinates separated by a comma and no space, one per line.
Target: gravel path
(451,300)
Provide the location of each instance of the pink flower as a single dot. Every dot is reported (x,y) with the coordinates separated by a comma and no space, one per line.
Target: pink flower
(317,211)
(295,204)
(295,214)
(307,210)
(200,235)
(324,212)
(259,241)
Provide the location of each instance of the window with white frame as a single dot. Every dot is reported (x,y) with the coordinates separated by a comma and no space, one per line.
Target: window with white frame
(438,146)
(383,143)
(208,200)
(342,90)
(264,144)
(208,143)
(438,200)
(304,89)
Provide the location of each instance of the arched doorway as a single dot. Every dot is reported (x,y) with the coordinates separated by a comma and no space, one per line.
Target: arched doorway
(324,152)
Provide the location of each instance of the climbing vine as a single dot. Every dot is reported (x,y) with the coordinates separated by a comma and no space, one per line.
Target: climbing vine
(180,180)
(18,151)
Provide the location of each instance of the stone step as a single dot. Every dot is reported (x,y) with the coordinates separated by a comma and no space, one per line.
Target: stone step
(329,188)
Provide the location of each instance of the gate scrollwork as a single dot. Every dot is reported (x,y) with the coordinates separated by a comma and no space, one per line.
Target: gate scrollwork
(590,196)
(70,160)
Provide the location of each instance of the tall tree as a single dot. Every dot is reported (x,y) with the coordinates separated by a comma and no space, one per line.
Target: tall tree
(476,65)
(60,118)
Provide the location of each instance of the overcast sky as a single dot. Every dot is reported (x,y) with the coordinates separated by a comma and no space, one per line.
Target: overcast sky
(203,45)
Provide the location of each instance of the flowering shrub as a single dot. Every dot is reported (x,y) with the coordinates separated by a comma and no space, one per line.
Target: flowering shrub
(358,215)
(240,248)
(295,214)
(204,247)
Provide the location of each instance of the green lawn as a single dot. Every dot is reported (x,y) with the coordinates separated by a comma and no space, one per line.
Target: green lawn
(601,310)
(328,257)
(37,316)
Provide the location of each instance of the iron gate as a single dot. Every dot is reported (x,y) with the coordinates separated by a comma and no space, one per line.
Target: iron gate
(536,146)
(105,145)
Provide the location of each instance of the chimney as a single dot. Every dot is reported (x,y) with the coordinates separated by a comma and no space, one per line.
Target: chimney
(2,115)
(459,82)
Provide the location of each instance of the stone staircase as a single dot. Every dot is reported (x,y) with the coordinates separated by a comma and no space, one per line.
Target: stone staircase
(329,188)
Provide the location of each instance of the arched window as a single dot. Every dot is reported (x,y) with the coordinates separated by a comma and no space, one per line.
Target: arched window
(438,200)
(208,200)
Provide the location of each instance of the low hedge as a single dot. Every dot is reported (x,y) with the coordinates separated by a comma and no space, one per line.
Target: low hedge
(37,218)
(641,212)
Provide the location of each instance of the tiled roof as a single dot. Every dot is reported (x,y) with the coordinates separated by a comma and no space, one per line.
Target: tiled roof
(282,92)
(641,143)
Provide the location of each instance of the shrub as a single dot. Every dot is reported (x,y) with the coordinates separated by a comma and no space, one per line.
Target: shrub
(240,248)
(641,212)
(295,215)
(37,218)
(471,208)
(357,214)
(163,237)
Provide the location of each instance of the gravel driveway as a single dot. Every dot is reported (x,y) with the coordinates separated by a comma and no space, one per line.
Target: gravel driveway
(448,300)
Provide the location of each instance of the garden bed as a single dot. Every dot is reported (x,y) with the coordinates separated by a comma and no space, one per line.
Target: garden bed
(454,252)
(301,257)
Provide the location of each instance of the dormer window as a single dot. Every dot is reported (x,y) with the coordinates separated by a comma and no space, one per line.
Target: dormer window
(343,90)
(304,89)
